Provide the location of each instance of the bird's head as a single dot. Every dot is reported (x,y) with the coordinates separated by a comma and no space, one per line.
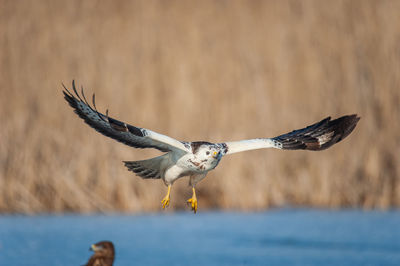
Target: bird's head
(208,154)
(104,248)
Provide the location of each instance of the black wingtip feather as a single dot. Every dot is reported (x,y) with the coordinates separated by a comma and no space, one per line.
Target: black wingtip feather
(114,128)
(84,97)
(74,88)
(321,135)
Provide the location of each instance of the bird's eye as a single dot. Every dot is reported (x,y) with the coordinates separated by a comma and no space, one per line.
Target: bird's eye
(207,153)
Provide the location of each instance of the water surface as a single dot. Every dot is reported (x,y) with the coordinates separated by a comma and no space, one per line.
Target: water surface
(277,237)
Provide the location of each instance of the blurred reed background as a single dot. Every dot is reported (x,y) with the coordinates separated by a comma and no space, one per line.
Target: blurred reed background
(199,70)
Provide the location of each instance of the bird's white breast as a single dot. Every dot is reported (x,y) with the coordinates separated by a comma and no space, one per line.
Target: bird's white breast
(173,173)
(187,165)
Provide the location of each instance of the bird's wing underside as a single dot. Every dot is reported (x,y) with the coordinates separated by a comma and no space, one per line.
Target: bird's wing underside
(318,136)
(130,135)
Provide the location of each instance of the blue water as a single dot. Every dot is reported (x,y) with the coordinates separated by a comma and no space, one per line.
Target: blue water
(277,237)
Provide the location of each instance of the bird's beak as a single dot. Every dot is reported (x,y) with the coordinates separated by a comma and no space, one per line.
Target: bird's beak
(93,248)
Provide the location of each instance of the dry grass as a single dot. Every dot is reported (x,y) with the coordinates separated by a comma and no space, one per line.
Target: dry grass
(199,70)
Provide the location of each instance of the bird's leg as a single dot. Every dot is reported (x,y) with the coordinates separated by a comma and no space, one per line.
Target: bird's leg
(165,201)
(193,201)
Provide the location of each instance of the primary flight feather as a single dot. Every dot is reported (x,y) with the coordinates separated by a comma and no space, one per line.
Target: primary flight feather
(196,159)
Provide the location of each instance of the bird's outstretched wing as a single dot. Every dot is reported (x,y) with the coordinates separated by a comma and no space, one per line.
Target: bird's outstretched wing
(130,135)
(318,136)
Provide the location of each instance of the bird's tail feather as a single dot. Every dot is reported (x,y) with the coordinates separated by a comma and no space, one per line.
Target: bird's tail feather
(151,168)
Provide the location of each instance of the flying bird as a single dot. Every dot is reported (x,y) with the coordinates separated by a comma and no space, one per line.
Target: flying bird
(104,254)
(196,159)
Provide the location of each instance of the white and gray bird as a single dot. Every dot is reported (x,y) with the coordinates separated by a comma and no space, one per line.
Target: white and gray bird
(196,159)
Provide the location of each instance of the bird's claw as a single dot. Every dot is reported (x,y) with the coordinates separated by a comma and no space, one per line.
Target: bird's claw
(165,202)
(193,202)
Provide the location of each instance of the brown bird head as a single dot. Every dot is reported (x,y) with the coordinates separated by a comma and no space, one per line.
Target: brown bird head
(103,254)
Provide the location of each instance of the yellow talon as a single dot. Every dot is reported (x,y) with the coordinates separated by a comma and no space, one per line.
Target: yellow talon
(193,201)
(165,201)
